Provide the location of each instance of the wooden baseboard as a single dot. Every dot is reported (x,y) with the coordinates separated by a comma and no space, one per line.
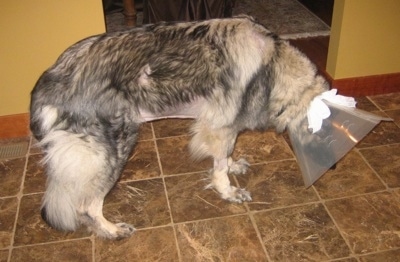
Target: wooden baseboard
(367,85)
(13,126)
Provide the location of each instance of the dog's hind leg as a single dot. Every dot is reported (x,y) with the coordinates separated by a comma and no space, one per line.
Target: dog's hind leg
(81,171)
(219,144)
(91,214)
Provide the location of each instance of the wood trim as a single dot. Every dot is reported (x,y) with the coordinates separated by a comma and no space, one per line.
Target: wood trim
(13,126)
(366,85)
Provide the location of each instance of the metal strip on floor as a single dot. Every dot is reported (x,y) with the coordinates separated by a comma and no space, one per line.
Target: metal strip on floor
(15,150)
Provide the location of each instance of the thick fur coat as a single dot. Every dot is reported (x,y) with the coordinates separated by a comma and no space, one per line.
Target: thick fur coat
(228,74)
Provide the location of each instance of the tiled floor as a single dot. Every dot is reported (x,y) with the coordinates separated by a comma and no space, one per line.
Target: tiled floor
(351,214)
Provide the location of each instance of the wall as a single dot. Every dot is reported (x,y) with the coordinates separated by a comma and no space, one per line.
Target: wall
(365,38)
(33,34)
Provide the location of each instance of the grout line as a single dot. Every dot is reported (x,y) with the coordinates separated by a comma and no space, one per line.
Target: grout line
(286,207)
(343,258)
(34,193)
(151,227)
(210,218)
(356,195)
(375,104)
(322,201)
(342,234)
(166,192)
(377,252)
(260,239)
(19,198)
(169,137)
(273,161)
(56,242)
(352,253)
(372,169)
(166,176)
(93,241)
(8,197)
(376,146)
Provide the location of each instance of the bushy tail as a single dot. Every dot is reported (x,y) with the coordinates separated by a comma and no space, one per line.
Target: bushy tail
(75,165)
(58,209)
(42,120)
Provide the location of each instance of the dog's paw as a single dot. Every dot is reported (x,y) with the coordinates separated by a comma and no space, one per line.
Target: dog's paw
(236,195)
(113,231)
(239,167)
(124,230)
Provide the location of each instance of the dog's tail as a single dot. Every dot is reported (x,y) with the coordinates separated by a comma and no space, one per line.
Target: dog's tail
(43,120)
(75,166)
(57,208)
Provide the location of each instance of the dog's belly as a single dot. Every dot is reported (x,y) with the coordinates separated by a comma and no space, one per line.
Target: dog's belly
(187,110)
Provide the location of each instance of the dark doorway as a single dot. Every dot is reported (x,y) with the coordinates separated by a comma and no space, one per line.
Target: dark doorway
(321,8)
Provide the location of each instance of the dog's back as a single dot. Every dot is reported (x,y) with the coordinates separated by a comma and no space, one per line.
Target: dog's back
(119,72)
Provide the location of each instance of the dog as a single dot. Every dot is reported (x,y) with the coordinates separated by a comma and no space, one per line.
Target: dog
(228,74)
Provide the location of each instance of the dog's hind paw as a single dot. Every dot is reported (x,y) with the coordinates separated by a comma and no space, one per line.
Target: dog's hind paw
(239,167)
(124,230)
(237,195)
(114,231)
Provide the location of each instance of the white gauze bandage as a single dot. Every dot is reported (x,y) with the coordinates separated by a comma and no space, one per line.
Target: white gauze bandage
(318,110)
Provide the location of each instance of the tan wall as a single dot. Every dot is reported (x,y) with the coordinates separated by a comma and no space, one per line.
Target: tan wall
(365,38)
(33,34)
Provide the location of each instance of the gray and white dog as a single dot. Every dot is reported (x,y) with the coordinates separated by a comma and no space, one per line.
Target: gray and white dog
(228,74)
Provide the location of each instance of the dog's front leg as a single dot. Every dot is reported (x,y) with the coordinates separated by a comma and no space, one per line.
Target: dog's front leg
(219,143)
(220,182)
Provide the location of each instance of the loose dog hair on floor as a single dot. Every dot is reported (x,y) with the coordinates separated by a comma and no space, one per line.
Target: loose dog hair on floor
(228,74)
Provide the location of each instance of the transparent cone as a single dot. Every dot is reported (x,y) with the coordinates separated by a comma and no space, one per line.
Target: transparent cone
(339,133)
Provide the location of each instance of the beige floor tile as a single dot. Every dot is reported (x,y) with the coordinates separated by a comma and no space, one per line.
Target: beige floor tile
(145,132)
(141,203)
(11,173)
(351,176)
(172,127)
(387,256)
(190,201)
(8,212)
(276,184)
(383,134)
(225,239)
(379,157)
(35,178)
(260,147)
(175,157)
(79,250)
(366,104)
(31,229)
(150,245)
(370,222)
(304,233)
(4,255)
(387,101)
(143,163)
(395,115)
